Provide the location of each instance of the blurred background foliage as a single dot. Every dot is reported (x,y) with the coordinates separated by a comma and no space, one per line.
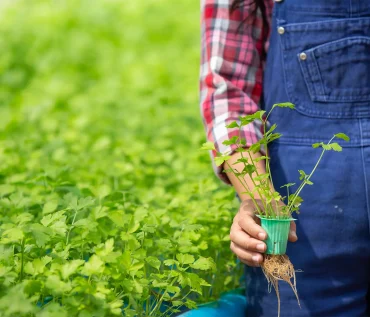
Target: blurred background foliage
(100,99)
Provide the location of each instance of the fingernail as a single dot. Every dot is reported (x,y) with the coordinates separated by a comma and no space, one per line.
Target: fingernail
(261,247)
(262,235)
(255,258)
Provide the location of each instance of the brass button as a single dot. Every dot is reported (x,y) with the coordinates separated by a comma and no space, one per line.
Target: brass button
(303,56)
(281,30)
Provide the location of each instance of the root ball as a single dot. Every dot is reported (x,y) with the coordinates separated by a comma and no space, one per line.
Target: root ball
(279,268)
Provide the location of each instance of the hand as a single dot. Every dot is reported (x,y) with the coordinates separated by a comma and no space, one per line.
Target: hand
(247,235)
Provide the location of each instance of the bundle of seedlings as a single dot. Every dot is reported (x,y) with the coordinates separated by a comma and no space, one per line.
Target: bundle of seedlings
(274,210)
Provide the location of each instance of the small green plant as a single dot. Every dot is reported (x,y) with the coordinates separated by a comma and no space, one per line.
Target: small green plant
(271,199)
(274,210)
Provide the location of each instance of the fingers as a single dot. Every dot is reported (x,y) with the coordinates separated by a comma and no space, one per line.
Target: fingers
(247,257)
(245,241)
(249,225)
(293,232)
(247,221)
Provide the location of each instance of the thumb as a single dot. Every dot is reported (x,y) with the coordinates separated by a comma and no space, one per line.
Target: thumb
(293,232)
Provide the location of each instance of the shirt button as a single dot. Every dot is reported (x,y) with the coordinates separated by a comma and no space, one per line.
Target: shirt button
(281,30)
(303,56)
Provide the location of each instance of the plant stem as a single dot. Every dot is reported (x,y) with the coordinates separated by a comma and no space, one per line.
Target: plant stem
(258,187)
(162,298)
(22,261)
(254,165)
(304,182)
(266,152)
(69,231)
(252,179)
(247,188)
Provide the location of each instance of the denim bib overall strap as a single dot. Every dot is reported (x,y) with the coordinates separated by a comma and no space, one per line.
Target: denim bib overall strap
(319,59)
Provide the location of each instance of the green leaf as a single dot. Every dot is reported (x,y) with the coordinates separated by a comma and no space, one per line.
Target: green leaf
(204,264)
(13,235)
(233,124)
(185,258)
(70,268)
(284,105)
(133,226)
(116,307)
(149,228)
(259,114)
(94,266)
(37,266)
(190,304)
(261,177)
(53,310)
(6,189)
(302,174)
(342,136)
(316,145)
(219,160)
(297,200)
(57,286)
(49,207)
(232,141)
(249,169)
(228,280)
(153,261)
(326,147)
(288,185)
(16,303)
(177,303)
(159,284)
(208,146)
(164,243)
(103,191)
(85,203)
(241,160)
(170,262)
(273,136)
(336,147)
(273,127)
(256,147)
(260,158)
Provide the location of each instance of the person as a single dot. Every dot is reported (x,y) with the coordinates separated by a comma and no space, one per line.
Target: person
(315,54)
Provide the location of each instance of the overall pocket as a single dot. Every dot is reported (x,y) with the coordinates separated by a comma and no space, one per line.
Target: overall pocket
(327,67)
(338,71)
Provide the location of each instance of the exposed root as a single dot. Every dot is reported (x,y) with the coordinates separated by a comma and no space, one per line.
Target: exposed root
(279,268)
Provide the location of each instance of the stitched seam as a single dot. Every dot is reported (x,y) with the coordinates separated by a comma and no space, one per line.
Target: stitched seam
(319,74)
(364,171)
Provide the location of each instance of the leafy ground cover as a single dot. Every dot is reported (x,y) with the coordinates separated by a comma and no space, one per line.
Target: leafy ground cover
(107,206)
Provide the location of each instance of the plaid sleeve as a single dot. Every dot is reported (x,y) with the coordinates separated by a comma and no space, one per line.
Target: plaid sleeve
(231,71)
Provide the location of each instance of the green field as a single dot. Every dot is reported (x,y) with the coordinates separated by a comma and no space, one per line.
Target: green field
(108,207)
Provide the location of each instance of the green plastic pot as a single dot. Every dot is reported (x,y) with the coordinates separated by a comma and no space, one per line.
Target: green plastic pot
(277,234)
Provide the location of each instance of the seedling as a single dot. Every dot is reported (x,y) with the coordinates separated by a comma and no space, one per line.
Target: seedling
(275,210)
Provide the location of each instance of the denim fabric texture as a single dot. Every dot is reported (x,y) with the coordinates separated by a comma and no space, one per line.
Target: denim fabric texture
(320,61)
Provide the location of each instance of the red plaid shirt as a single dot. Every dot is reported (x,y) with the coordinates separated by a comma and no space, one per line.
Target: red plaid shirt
(231,70)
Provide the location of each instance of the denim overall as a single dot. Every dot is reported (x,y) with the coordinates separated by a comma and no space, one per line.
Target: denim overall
(319,59)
